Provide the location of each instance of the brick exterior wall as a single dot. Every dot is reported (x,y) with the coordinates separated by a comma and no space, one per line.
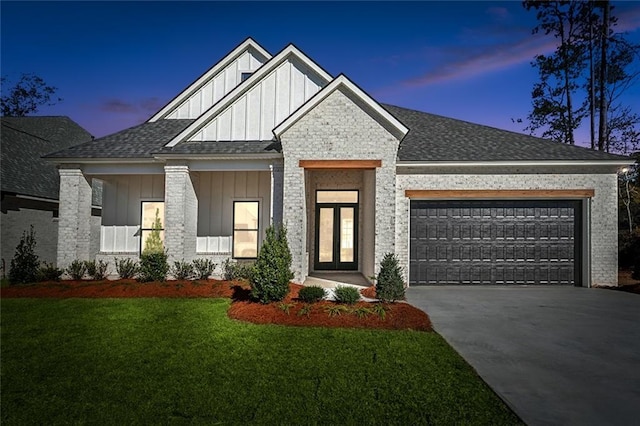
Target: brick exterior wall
(181,213)
(337,128)
(45,226)
(603,212)
(74,225)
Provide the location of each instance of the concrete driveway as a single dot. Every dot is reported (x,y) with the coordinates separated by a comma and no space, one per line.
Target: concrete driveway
(556,355)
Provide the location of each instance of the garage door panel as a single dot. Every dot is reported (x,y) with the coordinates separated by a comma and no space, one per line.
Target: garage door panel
(493,242)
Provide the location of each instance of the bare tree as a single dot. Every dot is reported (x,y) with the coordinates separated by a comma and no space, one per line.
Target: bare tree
(26,96)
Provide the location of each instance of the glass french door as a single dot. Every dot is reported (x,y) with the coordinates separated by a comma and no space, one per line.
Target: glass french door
(336,230)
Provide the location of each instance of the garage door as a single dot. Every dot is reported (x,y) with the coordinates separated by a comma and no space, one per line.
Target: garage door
(495,242)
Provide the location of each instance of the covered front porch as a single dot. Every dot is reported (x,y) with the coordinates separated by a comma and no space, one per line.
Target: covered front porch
(202,209)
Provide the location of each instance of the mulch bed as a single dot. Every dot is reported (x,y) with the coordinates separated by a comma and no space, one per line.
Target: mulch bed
(398,316)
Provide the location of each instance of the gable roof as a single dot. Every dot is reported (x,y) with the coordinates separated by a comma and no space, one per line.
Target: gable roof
(259,74)
(341,82)
(24,141)
(246,45)
(433,138)
(138,142)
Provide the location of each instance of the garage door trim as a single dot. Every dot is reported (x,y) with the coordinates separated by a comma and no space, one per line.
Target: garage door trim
(499,194)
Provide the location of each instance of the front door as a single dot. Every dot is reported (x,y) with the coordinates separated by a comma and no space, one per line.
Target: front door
(336,230)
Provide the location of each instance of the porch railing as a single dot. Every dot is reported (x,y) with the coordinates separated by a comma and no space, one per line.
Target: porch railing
(119,239)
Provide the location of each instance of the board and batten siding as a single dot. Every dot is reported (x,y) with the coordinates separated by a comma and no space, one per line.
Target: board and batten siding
(123,195)
(254,114)
(216,193)
(218,86)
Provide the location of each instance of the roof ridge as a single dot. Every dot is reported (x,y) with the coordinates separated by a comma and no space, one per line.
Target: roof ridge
(25,132)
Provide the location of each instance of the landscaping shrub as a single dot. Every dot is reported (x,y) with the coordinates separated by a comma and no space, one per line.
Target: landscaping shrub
(272,271)
(348,295)
(237,271)
(182,270)
(312,294)
(153,266)
(25,263)
(76,269)
(126,268)
(390,284)
(203,268)
(48,272)
(90,267)
(96,270)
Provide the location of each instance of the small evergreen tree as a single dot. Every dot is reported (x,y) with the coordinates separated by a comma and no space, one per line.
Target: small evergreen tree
(25,264)
(272,271)
(390,285)
(153,243)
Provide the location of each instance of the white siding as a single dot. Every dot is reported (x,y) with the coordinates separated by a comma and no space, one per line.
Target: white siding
(122,197)
(218,190)
(254,114)
(218,86)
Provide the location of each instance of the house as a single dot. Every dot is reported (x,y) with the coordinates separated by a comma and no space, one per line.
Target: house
(30,185)
(261,139)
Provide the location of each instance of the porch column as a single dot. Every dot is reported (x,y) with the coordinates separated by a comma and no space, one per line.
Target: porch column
(181,213)
(385,218)
(74,223)
(294,216)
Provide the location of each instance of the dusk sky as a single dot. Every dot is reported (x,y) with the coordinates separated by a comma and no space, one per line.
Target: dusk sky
(116,63)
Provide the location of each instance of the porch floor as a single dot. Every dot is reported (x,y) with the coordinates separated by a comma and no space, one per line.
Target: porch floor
(332,279)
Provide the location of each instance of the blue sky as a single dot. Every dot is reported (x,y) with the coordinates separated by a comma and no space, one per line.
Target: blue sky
(116,63)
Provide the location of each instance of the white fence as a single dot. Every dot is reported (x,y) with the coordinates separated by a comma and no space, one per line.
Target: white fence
(213,245)
(126,239)
(119,239)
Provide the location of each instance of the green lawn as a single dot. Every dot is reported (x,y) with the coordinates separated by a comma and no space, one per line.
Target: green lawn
(159,361)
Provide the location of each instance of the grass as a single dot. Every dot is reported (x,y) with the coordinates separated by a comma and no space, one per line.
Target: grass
(158,361)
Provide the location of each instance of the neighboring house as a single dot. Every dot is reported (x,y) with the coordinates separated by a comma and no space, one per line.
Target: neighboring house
(30,185)
(261,139)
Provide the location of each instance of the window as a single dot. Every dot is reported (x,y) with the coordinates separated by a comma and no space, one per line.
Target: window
(245,229)
(244,76)
(152,226)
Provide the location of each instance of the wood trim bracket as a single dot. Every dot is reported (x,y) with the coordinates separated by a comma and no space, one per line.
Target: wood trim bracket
(340,164)
(499,193)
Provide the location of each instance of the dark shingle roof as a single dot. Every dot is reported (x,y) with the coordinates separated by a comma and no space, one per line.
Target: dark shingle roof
(223,148)
(436,138)
(136,142)
(24,141)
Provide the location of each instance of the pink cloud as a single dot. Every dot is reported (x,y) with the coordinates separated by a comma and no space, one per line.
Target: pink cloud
(118,106)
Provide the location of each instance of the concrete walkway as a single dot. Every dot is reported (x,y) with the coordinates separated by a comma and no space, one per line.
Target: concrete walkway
(556,355)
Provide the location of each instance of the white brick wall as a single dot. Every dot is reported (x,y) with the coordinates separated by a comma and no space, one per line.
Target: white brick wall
(45,226)
(181,213)
(604,207)
(336,129)
(74,225)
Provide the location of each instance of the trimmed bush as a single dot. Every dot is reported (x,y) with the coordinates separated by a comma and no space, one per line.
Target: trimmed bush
(237,271)
(389,284)
(182,270)
(312,294)
(25,264)
(153,266)
(272,271)
(348,295)
(96,270)
(203,268)
(76,269)
(48,272)
(126,268)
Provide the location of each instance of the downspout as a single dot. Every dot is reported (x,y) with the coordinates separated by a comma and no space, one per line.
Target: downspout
(271,196)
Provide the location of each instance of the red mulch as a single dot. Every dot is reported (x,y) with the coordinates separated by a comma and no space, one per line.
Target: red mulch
(398,315)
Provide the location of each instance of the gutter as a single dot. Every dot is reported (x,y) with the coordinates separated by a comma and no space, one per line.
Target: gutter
(436,164)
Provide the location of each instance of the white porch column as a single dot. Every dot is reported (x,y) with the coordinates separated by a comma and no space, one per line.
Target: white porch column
(181,213)
(294,217)
(74,224)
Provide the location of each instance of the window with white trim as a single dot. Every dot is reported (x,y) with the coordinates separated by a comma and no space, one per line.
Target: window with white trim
(245,229)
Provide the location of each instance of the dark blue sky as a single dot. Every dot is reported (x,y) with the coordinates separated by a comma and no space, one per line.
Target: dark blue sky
(116,63)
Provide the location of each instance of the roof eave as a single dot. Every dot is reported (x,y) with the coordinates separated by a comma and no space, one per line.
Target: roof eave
(524,163)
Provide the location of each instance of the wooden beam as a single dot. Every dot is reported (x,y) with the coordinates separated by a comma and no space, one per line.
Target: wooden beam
(340,164)
(498,193)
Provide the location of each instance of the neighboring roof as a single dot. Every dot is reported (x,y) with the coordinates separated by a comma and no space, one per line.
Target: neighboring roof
(24,141)
(134,143)
(341,82)
(436,138)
